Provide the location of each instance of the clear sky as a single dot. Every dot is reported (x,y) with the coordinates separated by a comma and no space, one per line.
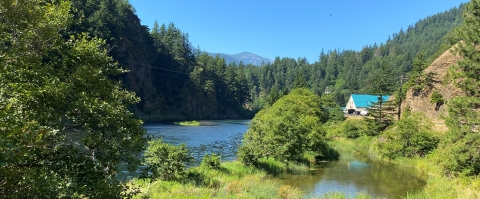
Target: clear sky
(299,28)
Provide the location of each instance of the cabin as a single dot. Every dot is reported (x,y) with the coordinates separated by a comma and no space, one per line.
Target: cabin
(358,103)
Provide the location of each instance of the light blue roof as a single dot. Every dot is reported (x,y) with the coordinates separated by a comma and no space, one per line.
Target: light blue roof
(363,100)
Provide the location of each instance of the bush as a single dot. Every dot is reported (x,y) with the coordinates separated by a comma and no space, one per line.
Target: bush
(353,128)
(350,128)
(211,161)
(286,130)
(165,161)
(437,99)
(410,136)
(459,152)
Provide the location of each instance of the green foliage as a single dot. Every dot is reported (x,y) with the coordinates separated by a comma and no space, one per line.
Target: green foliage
(211,161)
(418,79)
(410,136)
(165,161)
(335,113)
(354,128)
(300,81)
(188,123)
(437,98)
(65,125)
(380,116)
(286,130)
(459,152)
(233,180)
(273,95)
(381,112)
(350,128)
(382,80)
(345,72)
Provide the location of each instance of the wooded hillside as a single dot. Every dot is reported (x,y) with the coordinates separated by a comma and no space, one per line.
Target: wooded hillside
(174,81)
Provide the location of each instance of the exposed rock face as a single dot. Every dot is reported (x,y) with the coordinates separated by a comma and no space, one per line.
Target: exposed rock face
(420,102)
(131,54)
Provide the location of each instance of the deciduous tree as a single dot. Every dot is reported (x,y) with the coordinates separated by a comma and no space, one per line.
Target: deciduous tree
(64,123)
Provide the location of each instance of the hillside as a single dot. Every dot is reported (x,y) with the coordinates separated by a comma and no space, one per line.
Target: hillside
(420,101)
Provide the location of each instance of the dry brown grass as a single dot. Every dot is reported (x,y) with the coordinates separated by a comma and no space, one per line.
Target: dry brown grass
(289,192)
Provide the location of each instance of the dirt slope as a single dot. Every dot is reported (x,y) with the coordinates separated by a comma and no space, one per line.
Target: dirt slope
(421,101)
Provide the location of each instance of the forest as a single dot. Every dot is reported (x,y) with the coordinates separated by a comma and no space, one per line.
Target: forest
(79,78)
(176,81)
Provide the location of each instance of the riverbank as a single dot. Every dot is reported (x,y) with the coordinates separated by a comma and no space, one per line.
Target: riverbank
(438,185)
(235,180)
(230,180)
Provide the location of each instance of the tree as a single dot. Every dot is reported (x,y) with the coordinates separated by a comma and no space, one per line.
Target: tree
(437,98)
(64,123)
(286,130)
(459,152)
(382,83)
(165,161)
(300,81)
(335,113)
(412,136)
(273,95)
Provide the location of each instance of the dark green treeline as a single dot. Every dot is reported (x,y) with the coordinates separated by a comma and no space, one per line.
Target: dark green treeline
(176,81)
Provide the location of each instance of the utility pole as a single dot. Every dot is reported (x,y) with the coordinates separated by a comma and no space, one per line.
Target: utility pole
(400,96)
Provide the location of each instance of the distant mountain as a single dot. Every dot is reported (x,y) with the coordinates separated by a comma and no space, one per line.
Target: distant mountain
(245,57)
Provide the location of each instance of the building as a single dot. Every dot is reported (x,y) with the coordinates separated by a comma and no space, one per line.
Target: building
(360,102)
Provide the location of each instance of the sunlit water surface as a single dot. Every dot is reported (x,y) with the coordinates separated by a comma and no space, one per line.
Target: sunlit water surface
(350,175)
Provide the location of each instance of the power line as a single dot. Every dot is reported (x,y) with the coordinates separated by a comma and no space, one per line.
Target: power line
(211,78)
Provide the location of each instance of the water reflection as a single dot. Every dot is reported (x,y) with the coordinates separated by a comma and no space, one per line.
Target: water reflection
(352,176)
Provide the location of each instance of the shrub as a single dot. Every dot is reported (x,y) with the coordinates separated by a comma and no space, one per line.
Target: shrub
(352,129)
(211,161)
(411,136)
(459,152)
(437,99)
(165,161)
(285,130)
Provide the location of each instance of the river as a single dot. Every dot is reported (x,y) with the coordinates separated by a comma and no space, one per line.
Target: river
(350,175)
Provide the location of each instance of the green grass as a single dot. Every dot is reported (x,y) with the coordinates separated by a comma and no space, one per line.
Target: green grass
(231,180)
(188,123)
(438,185)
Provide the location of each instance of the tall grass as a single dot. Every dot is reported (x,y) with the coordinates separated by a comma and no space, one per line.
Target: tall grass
(438,184)
(188,123)
(230,180)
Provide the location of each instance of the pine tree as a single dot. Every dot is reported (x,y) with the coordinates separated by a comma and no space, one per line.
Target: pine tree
(381,112)
(460,151)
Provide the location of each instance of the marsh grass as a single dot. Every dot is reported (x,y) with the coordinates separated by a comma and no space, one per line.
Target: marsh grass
(438,184)
(230,180)
(188,123)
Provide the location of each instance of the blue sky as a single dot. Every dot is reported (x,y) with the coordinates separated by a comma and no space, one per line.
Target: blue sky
(299,28)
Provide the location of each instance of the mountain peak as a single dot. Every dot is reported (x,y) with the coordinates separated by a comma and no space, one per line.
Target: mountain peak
(245,57)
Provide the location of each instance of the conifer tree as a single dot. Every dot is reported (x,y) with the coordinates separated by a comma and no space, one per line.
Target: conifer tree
(381,112)
(460,151)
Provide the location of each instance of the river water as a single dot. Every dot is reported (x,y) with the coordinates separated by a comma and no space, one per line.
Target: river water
(350,175)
